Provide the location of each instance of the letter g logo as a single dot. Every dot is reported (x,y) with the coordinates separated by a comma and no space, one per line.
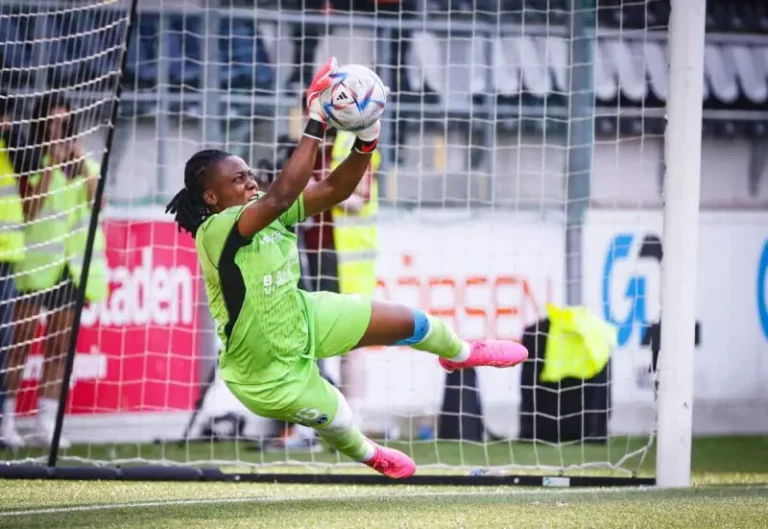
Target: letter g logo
(635,290)
(762,289)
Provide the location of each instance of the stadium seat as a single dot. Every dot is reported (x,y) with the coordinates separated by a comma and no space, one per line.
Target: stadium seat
(656,68)
(184,51)
(720,74)
(536,77)
(348,46)
(425,75)
(244,61)
(628,60)
(606,87)
(16,49)
(750,72)
(507,73)
(143,51)
(84,49)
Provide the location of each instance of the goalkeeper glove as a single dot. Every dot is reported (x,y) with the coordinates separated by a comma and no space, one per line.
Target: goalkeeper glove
(367,139)
(320,82)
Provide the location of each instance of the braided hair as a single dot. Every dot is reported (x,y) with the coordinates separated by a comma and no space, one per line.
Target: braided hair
(188,206)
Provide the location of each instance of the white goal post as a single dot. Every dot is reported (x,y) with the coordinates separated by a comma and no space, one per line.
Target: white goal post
(682,184)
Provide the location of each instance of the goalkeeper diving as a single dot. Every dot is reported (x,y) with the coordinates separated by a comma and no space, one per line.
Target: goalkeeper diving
(273,332)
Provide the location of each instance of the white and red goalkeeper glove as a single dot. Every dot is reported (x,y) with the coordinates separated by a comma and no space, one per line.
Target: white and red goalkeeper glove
(367,139)
(320,83)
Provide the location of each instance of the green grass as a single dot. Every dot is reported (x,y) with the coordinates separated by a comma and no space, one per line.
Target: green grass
(730,476)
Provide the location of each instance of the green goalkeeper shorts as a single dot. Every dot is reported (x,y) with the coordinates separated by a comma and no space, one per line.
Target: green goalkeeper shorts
(339,322)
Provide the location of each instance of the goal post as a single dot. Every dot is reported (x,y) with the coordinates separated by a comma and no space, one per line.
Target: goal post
(510,136)
(682,184)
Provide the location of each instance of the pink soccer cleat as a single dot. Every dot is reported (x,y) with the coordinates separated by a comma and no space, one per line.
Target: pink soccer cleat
(493,353)
(392,463)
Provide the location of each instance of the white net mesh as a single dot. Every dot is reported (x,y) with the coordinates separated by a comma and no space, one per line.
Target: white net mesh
(476,155)
(508,118)
(60,66)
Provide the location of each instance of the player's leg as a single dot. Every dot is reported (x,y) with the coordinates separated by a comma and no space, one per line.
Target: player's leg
(58,331)
(25,317)
(345,322)
(314,402)
(342,433)
(393,324)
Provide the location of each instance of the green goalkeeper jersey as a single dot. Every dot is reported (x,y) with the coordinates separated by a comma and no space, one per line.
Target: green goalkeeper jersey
(252,287)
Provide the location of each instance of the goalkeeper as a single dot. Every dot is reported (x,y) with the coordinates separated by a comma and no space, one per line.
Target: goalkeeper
(273,332)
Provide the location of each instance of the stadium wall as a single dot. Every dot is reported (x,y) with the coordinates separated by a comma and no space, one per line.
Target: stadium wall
(627,173)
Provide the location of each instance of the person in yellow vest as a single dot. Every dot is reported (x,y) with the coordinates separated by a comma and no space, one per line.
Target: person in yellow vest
(354,238)
(15,160)
(57,209)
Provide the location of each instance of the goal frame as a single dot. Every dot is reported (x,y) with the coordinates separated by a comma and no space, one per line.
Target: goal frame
(686,35)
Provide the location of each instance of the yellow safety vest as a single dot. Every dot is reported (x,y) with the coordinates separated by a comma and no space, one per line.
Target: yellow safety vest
(96,289)
(11,212)
(56,239)
(45,237)
(579,344)
(354,234)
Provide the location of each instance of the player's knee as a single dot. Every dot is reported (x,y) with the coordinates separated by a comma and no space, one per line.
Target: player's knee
(343,420)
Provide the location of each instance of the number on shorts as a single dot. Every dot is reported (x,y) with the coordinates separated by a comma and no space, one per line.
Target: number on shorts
(310,417)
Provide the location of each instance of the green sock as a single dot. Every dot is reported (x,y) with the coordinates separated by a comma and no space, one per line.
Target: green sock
(349,441)
(440,340)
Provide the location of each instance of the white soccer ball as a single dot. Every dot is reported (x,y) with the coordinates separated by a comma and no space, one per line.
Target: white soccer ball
(355,99)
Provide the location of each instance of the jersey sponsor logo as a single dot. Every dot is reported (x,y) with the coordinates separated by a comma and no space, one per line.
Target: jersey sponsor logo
(282,277)
(267,238)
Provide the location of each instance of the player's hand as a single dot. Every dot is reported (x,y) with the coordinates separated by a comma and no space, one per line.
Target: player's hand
(320,82)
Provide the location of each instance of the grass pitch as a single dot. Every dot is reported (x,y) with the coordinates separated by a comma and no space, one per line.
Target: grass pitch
(730,476)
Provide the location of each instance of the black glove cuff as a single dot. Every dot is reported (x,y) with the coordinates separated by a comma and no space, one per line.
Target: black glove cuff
(315,129)
(365,147)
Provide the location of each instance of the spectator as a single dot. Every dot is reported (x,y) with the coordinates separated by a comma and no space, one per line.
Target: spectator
(59,201)
(15,160)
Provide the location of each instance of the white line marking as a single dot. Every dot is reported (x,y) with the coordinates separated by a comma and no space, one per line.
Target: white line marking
(277,499)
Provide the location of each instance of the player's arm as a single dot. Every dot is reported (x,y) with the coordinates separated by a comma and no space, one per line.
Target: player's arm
(343,181)
(297,170)
(286,188)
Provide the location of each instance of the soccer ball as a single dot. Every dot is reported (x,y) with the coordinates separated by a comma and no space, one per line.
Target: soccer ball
(355,99)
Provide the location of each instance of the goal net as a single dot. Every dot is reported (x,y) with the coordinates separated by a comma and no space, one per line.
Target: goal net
(520,166)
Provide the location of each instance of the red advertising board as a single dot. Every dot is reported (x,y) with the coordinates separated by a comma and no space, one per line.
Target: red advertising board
(137,352)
